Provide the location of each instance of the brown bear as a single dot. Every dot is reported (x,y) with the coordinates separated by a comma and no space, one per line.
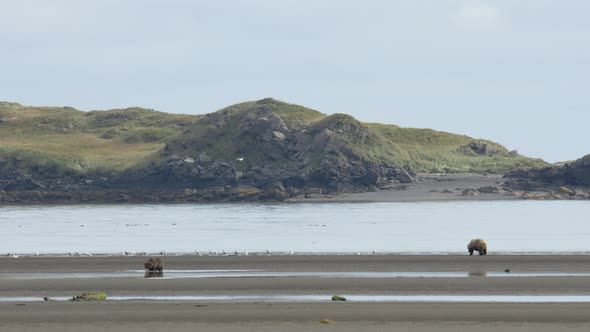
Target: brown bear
(154,264)
(478,245)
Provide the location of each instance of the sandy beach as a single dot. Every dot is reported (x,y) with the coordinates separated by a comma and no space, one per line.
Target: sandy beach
(35,277)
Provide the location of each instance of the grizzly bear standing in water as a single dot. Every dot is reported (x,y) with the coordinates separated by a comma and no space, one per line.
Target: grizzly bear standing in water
(478,245)
(154,264)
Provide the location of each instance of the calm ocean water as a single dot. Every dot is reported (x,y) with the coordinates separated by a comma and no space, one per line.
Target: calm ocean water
(426,227)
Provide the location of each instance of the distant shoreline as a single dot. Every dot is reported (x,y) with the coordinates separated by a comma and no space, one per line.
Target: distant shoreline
(203,254)
(426,188)
(429,188)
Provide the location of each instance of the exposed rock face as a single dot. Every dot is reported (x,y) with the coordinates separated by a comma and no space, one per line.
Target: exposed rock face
(489,190)
(571,174)
(469,192)
(259,149)
(570,181)
(482,148)
(24,183)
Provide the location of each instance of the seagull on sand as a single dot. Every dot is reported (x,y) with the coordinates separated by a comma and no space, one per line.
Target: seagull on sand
(245,252)
(291,252)
(268,252)
(240,159)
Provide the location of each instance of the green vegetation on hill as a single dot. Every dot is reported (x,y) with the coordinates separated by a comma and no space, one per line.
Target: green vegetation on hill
(72,141)
(427,150)
(232,132)
(63,140)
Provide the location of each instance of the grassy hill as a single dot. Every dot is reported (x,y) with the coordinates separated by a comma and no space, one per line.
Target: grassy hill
(232,132)
(69,141)
(63,140)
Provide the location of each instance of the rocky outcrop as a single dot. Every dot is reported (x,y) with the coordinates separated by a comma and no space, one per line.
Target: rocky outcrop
(576,173)
(482,148)
(570,181)
(259,149)
(489,190)
(469,192)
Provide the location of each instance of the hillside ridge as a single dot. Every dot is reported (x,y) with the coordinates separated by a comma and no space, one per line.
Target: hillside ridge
(265,147)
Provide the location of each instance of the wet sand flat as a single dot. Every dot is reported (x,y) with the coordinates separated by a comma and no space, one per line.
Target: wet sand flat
(301,286)
(291,316)
(378,262)
(18,276)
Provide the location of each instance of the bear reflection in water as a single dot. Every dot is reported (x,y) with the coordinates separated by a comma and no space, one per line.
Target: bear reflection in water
(154,274)
(478,274)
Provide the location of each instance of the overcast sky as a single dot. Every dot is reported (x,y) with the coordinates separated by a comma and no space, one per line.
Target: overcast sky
(516,72)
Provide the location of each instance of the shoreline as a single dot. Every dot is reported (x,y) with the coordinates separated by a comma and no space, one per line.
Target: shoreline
(69,255)
(427,188)
(407,263)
